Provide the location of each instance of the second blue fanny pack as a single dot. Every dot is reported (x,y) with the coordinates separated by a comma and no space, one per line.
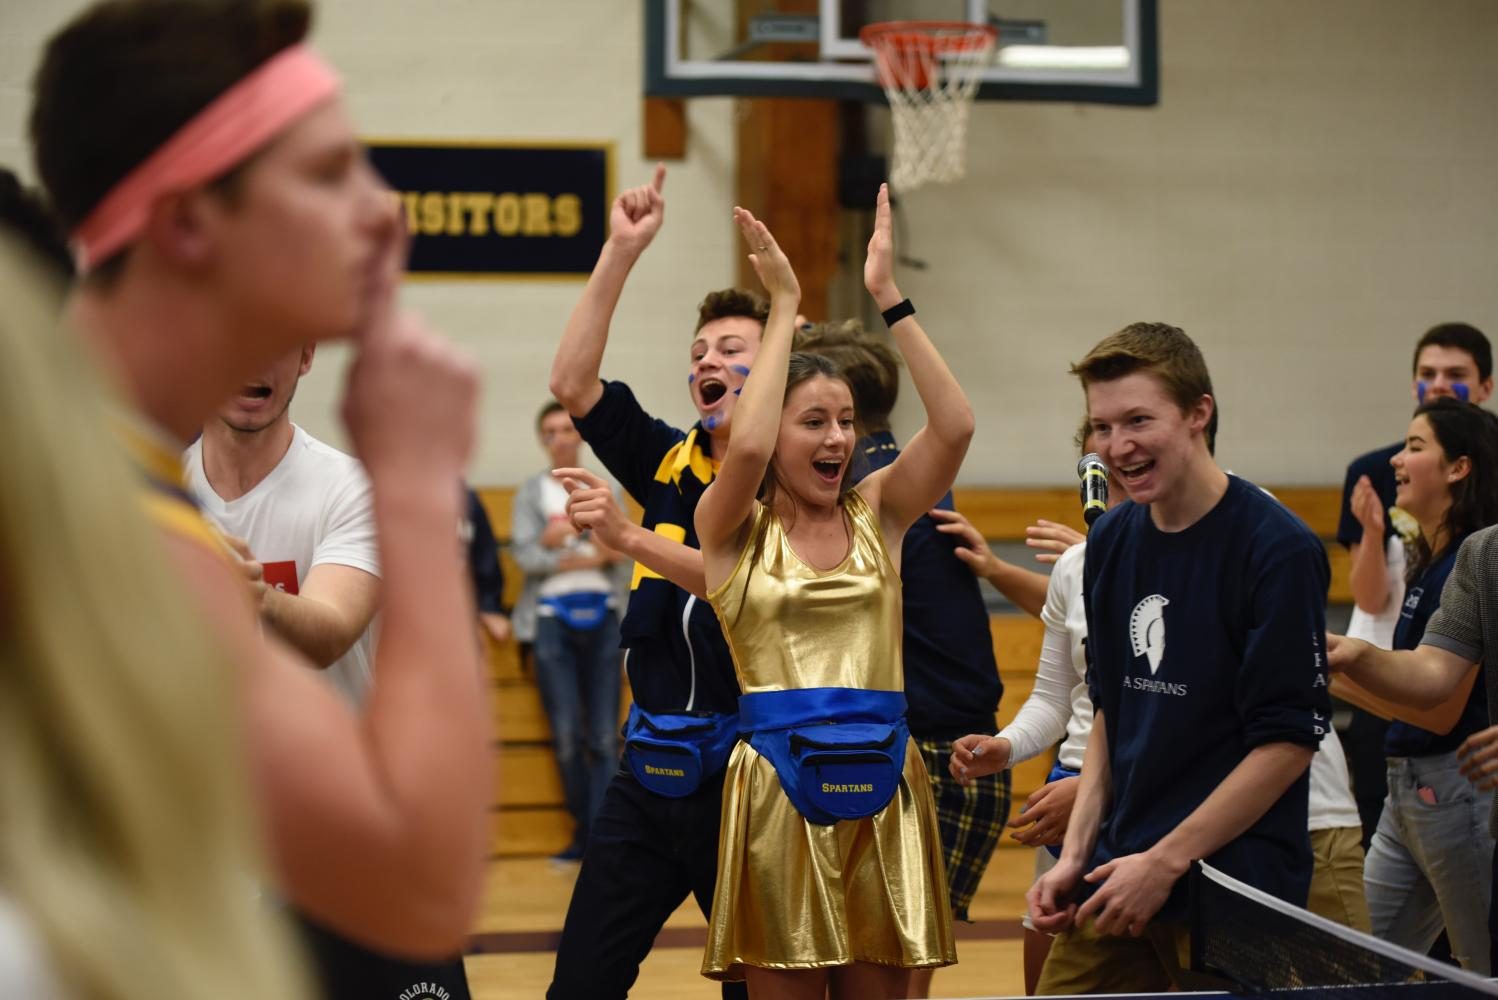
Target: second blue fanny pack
(839,752)
(583,612)
(671,754)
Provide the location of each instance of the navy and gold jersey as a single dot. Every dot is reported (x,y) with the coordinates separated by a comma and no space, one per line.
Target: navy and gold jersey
(164,497)
(678,659)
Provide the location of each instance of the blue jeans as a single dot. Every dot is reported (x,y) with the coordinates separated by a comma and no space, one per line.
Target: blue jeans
(578,673)
(1431,861)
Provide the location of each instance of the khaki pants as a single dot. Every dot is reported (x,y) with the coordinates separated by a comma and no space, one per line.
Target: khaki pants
(1337,879)
(1083,961)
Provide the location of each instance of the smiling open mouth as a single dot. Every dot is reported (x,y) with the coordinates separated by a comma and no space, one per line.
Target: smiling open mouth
(1133,472)
(712,390)
(829,470)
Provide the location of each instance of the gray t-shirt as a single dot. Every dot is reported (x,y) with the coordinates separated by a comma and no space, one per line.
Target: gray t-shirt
(1466,623)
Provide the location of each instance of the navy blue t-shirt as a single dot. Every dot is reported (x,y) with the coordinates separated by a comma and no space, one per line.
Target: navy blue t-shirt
(1375,465)
(1421,598)
(1204,644)
(952,683)
(678,659)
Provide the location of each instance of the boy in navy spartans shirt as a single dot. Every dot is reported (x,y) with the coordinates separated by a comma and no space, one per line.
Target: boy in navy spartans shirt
(1205,612)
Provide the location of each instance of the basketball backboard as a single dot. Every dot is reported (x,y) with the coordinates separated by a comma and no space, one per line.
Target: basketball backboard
(1102,51)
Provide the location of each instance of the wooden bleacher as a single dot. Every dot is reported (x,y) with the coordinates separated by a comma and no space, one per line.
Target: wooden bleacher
(530,818)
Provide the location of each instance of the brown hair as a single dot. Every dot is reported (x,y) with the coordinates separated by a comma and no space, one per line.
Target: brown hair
(123,76)
(1460,428)
(1461,337)
(804,367)
(26,214)
(1083,433)
(1157,349)
(867,363)
(732,302)
(551,407)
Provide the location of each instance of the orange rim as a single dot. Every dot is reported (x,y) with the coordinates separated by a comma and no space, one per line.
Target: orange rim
(929,36)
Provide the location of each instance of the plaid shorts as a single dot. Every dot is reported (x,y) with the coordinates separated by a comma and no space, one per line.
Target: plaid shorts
(971,818)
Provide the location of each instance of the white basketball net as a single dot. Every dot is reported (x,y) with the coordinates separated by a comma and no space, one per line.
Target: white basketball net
(930,73)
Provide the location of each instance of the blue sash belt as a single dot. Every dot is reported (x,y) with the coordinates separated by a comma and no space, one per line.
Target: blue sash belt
(671,754)
(839,752)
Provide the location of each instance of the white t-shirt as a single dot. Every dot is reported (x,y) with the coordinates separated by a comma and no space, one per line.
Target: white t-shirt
(1332,804)
(313,508)
(574,581)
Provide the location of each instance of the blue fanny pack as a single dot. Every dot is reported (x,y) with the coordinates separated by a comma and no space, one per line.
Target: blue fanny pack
(583,612)
(1058,772)
(839,752)
(671,754)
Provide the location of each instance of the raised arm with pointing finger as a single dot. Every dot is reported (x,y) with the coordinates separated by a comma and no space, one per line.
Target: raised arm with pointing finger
(662,821)
(634,220)
(592,506)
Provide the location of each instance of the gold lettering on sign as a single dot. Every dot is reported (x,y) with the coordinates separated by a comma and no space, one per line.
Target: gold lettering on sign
(481,213)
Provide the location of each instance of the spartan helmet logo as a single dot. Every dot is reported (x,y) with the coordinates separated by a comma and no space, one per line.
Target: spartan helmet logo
(1147,629)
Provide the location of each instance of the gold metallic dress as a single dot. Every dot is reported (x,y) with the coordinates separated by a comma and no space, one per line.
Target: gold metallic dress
(792,894)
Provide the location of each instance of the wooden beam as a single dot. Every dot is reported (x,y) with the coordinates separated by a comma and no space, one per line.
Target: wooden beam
(665,125)
(787,171)
(787,175)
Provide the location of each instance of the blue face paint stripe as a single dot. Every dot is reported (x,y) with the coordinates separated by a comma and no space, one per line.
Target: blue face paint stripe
(691,377)
(711,423)
(1460,390)
(739,369)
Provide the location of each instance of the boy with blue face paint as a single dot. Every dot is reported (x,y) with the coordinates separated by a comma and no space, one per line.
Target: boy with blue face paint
(654,839)
(1451,359)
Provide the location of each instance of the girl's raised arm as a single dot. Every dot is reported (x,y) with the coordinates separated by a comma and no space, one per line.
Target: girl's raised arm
(723,512)
(928,465)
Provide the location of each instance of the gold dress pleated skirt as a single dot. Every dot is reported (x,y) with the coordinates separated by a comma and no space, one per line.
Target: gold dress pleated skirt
(792,894)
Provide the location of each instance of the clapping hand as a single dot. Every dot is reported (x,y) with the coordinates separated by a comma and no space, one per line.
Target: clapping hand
(770,262)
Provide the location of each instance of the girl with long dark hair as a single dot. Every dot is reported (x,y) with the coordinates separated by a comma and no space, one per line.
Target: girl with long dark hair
(1430,863)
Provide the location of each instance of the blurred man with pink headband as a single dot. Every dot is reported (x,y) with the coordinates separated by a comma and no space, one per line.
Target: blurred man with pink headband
(222,212)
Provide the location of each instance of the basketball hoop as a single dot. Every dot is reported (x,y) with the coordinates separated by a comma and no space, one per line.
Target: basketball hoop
(930,72)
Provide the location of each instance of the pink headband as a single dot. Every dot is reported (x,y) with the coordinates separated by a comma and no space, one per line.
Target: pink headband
(235,124)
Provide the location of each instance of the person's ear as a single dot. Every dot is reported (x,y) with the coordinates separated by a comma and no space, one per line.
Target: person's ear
(179,229)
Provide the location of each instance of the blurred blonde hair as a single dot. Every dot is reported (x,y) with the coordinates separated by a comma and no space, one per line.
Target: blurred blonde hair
(126,832)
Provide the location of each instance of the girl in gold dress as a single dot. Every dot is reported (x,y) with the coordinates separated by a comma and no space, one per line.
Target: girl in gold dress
(829,861)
